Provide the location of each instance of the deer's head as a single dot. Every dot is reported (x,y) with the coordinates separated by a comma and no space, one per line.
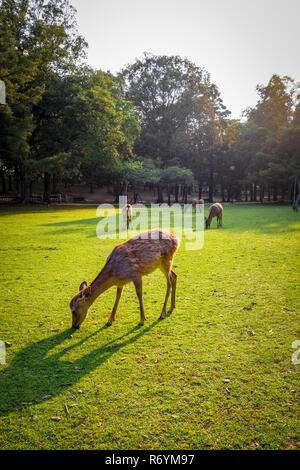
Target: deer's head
(207,223)
(79,305)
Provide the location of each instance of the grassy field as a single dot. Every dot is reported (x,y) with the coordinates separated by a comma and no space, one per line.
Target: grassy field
(215,374)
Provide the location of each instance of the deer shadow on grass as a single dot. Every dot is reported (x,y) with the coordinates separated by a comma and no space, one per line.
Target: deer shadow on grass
(35,375)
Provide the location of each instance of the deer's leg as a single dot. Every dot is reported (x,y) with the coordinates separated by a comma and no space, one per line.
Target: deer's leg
(112,316)
(173,280)
(139,292)
(169,283)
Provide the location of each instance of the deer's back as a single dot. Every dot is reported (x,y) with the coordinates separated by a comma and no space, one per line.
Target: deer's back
(143,254)
(215,209)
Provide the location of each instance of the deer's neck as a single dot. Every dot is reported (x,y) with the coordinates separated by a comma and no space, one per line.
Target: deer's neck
(99,285)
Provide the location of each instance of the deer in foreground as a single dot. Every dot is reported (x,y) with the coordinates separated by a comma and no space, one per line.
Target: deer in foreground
(216,210)
(127,215)
(128,262)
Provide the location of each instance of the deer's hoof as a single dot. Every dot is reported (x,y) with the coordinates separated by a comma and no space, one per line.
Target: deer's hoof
(141,324)
(108,324)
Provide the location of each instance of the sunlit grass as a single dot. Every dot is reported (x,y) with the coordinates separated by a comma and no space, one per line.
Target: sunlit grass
(215,374)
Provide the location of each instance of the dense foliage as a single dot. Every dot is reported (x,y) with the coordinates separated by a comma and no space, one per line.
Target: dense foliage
(160,122)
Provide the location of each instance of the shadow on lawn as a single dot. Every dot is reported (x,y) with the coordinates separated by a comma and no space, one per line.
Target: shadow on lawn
(27,382)
(85,225)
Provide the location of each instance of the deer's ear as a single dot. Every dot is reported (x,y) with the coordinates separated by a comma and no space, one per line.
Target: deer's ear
(82,285)
(87,291)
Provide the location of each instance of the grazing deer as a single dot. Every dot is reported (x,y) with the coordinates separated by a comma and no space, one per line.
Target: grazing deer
(128,262)
(196,202)
(216,210)
(127,215)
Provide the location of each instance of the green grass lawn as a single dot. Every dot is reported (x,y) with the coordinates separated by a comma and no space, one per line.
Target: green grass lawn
(215,374)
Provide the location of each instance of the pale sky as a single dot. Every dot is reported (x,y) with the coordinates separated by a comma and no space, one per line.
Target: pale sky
(241,43)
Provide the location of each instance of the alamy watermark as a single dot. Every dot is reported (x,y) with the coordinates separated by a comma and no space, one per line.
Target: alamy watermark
(2,352)
(186,221)
(296,354)
(2,92)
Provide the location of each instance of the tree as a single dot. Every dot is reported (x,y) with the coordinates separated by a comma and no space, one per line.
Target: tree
(84,116)
(162,89)
(38,38)
(230,162)
(181,112)
(271,118)
(174,175)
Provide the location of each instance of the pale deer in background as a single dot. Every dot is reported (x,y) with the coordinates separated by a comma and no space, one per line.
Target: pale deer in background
(127,215)
(128,262)
(216,210)
(196,202)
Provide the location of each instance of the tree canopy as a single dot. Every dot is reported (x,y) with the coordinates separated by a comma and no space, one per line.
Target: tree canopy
(160,122)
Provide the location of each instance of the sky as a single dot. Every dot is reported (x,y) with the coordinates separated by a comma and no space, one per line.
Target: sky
(241,43)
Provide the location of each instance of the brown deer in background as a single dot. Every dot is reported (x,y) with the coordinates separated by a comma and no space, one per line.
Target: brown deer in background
(128,262)
(216,210)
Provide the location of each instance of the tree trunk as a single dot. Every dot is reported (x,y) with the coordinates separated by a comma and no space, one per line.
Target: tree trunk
(261,193)
(238,194)
(169,195)
(17,184)
(246,193)
(47,182)
(160,197)
(269,192)
(91,188)
(117,190)
(184,194)
(24,190)
(255,193)
(10,187)
(211,185)
(54,184)
(223,192)
(124,189)
(275,192)
(176,192)
(3,182)
(251,192)
(200,189)
(228,194)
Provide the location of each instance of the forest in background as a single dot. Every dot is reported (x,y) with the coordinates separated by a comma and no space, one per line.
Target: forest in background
(160,123)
